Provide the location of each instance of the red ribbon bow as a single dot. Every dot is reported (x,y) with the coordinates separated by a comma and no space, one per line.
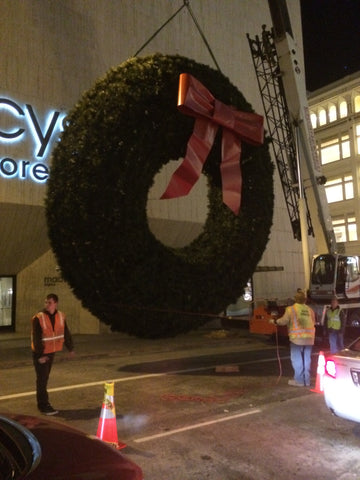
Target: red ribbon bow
(195,100)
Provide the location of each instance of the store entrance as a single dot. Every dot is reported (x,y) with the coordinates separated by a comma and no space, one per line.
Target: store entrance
(7,303)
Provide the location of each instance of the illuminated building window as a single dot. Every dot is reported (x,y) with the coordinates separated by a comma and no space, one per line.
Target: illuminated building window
(332,113)
(313,119)
(330,151)
(334,149)
(322,117)
(345,146)
(357,104)
(357,133)
(339,189)
(345,229)
(343,109)
(352,231)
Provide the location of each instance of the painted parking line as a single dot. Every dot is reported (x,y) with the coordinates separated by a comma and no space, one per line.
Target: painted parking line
(133,378)
(84,385)
(196,425)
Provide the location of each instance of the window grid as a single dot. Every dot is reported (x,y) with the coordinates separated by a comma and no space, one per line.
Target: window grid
(339,189)
(335,149)
(345,229)
(332,112)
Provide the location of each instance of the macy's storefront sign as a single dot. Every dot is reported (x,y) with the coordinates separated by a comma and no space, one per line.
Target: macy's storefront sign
(20,124)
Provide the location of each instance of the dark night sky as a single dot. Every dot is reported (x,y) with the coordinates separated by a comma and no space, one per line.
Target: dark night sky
(331,36)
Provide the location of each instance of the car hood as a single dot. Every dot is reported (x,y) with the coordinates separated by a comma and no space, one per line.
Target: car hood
(69,454)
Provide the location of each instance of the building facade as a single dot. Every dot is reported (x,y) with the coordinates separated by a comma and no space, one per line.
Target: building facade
(52,52)
(335,117)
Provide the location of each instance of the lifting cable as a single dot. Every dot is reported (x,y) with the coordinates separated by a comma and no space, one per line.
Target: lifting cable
(203,314)
(187,5)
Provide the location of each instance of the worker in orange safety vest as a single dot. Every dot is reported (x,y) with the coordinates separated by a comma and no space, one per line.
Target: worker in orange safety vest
(300,320)
(49,332)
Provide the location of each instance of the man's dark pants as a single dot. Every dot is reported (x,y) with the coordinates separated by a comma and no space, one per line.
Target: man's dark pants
(42,376)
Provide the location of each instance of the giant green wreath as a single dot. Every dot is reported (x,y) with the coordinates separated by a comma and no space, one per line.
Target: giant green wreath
(119,135)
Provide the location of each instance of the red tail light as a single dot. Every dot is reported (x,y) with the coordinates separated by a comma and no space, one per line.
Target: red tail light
(330,368)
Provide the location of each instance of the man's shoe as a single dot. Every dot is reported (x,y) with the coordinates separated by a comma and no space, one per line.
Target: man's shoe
(294,383)
(49,410)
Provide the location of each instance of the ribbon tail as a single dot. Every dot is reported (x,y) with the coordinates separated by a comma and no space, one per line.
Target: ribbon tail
(231,176)
(198,148)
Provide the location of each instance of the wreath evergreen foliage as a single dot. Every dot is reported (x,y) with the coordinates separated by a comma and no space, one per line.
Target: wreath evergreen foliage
(118,136)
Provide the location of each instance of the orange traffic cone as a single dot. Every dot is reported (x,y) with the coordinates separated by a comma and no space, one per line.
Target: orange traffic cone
(319,385)
(107,429)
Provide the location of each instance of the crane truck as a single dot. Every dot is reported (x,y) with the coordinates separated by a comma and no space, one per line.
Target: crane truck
(282,87)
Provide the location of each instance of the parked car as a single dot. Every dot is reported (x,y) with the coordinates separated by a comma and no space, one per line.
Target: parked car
(342,382)
(34,448)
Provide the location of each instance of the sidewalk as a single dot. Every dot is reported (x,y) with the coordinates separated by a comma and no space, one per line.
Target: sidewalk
(15,348)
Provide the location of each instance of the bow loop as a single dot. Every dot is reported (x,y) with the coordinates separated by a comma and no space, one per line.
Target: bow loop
(193,98)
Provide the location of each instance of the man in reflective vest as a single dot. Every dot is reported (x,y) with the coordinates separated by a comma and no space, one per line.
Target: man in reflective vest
(48,334)
(335,325)
(300,320)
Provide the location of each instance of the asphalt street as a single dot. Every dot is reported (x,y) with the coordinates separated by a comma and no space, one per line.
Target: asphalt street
(212,404)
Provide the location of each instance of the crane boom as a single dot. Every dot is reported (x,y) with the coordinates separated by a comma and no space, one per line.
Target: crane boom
(282,88)
(293,80)
(279,125)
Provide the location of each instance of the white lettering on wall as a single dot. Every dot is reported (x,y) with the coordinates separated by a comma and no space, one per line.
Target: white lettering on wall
(20,124)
